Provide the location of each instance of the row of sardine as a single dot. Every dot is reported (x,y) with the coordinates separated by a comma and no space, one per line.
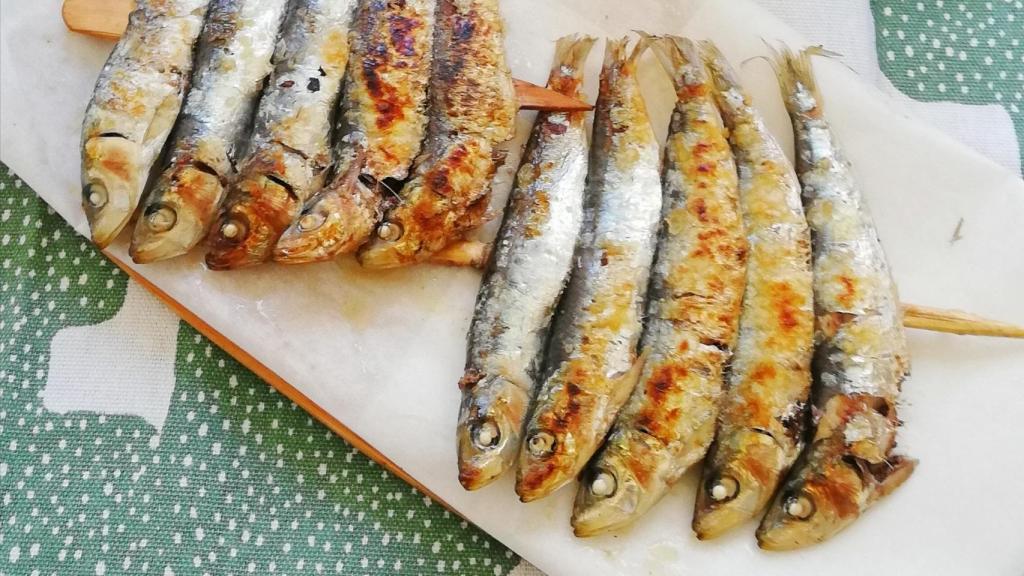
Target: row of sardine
(694,312)
(299,121)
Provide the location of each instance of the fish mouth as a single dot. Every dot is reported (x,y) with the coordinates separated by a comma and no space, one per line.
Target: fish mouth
(542,474)
(382,254)
(112,185)
(737,483)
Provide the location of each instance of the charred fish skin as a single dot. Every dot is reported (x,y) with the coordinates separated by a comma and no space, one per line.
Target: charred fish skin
(592,362)
(212,132)
(473,109)
(762,413)
(693,310)
(526,275)
(861,357)
(137,97)
(291,142)
(383,121)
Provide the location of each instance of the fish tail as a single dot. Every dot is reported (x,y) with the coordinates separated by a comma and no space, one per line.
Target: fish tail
(681,59)
(796,77)
(722,72)
(570,59)
(615,53)
(645,42)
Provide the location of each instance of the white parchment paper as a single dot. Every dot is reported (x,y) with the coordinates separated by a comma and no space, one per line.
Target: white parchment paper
(382,352)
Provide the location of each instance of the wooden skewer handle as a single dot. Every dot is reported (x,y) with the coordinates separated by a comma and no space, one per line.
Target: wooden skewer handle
(956,322)
(109,18)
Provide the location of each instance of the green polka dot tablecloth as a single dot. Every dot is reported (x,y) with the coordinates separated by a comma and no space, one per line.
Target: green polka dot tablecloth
(215,473)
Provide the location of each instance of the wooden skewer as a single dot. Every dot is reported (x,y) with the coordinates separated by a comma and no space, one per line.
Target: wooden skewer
(956,322)
(109,18)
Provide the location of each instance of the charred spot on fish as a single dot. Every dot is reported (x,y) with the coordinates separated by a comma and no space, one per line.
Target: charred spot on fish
(113,135)
(463,29)
(95,194)
(313,85)
(722,488)
(603,484)
(541,444)
(794,420)
(799,506)
(763,432)
(287,84)
(486,434)
(160,217)
(321,71)
(401,31)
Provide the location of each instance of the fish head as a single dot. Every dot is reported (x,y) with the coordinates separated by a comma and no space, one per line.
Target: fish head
(547,461)
(112,182)
(490,429)
(739,479)
(338,221)
(250,224)
(179,210)
(624,481)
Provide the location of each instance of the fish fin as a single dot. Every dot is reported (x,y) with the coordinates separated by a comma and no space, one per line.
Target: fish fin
(892,474)
(570,60)
(645,42)
(628,380)
(681,60)
(615,51)
(795,71)
(463,254)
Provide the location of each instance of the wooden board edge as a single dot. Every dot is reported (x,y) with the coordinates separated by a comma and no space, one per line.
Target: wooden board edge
(278,383)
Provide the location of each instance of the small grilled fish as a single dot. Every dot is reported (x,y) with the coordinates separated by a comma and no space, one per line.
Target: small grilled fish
(234,59)
(763,411)
(383,122)
(473,109)
(861,356)
(133,108)
(291,142)
(692,313)
(526,275)
(592,362)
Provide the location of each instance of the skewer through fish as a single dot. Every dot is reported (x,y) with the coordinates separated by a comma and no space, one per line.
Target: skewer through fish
(382,126)
(861,357)
(525,277)
(133,108)
(693,310)
(212,133)
(473,109)
(291,142)
(763,410)
(592,361)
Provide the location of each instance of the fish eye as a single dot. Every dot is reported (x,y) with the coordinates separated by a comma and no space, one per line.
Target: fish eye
(95,194)
(161,217)
(603,484)
(312,220)
(390,231)
(486,434)
(234,229)
(799,506)
(541,444)
(722,488)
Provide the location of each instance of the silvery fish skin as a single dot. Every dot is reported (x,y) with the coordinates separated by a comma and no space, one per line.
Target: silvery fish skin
(693,310)
(383,123)
(592,362)
(526,275)
(473,109)
(763,411)
(133,108)
(211,135)
(861,357)
(291,143)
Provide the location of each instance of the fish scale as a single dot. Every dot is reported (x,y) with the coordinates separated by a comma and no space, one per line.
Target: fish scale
(526,275)
(212,133)
(291,142)
(861,357)
(591,364)
(137,97)
(692,313)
